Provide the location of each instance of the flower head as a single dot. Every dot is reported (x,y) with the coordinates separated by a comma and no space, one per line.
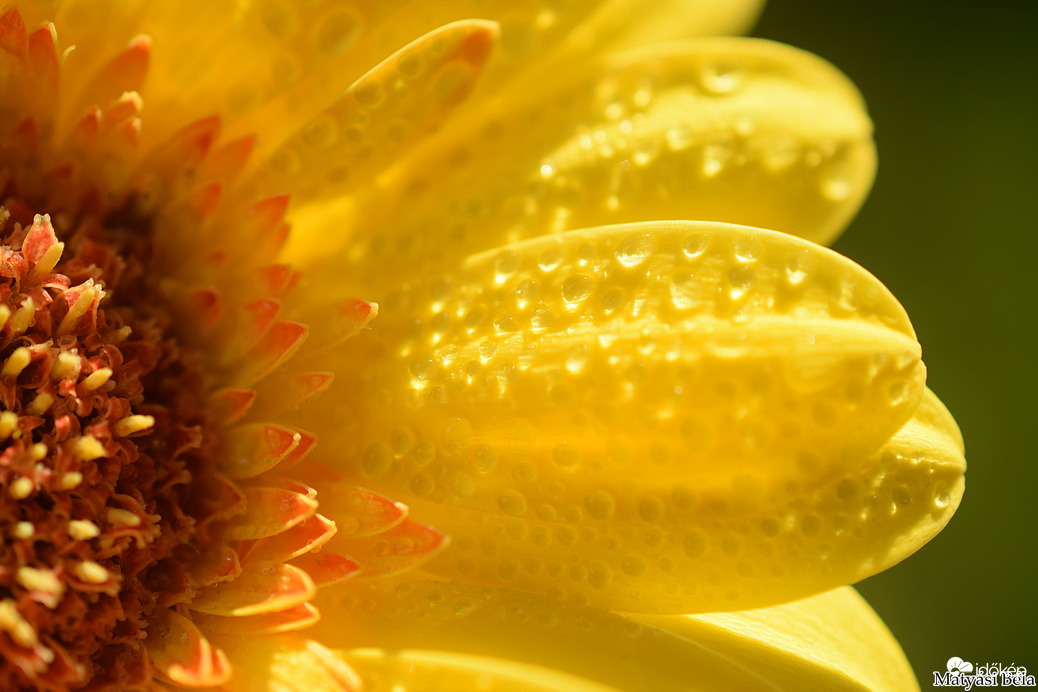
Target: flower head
(588,407)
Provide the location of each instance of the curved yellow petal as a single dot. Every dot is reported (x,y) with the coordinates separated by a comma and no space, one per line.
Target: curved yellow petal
(381,115)
(271,65)
(833,641)
(673,417)
(623,23)
(735,130)
(678,551)
(414,670)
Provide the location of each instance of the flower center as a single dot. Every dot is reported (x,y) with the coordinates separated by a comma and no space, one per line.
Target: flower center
(108,452)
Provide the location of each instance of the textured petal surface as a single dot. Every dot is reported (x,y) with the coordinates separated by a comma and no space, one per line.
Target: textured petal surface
(686,553)
(650,417)
(739,130)
(829,642)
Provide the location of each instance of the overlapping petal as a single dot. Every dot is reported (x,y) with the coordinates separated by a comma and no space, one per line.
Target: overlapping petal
(744,131)
(806,645)
(670,417)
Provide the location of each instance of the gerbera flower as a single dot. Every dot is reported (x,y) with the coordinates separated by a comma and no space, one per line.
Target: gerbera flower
(599,420)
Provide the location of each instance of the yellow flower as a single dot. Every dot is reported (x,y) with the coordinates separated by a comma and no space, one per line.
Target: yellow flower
(613,431)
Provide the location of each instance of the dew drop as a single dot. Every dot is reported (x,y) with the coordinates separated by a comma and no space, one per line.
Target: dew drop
(424,453)
(741,278)
(601,504)
(613,299)
(486,459)
(651,509)
(678,138)
(550,259)
(338,31)
(321,132)
(645,150)
(512,503)
(462,485)
(796,271)
(941,498)
(506,324)
(694,544)
(422,484)
(715,156)
(526,292)
(720,79)
(902,496)
(577,358)
(547,513)
(837,184)
(684,293)
(634,249)
(633,565)
(847,489)
(566,536)
(402,440)
(487,350)
(748,250)
(376,460)
(423,369)
(369,94)
(505,264)
(576,288)
(599,576)
(696,245)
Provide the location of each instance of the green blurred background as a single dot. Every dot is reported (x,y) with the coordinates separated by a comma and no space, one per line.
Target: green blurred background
(953,90)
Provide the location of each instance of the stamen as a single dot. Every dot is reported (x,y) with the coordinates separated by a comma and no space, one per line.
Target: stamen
(23,530)
(21,488)
(88,448)
(83,529)
(133,424)
(24,317)
(69,480)
(96,379)
(122,517)
(91,572)
(16,362)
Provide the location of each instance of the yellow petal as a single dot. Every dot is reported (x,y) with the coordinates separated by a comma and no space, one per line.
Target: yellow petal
(651,417)
(407,670)
(271,66)
(181,653)
(833,641)
(621,23)
(677,551)
(262,587)
(385,112)
(734,130)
